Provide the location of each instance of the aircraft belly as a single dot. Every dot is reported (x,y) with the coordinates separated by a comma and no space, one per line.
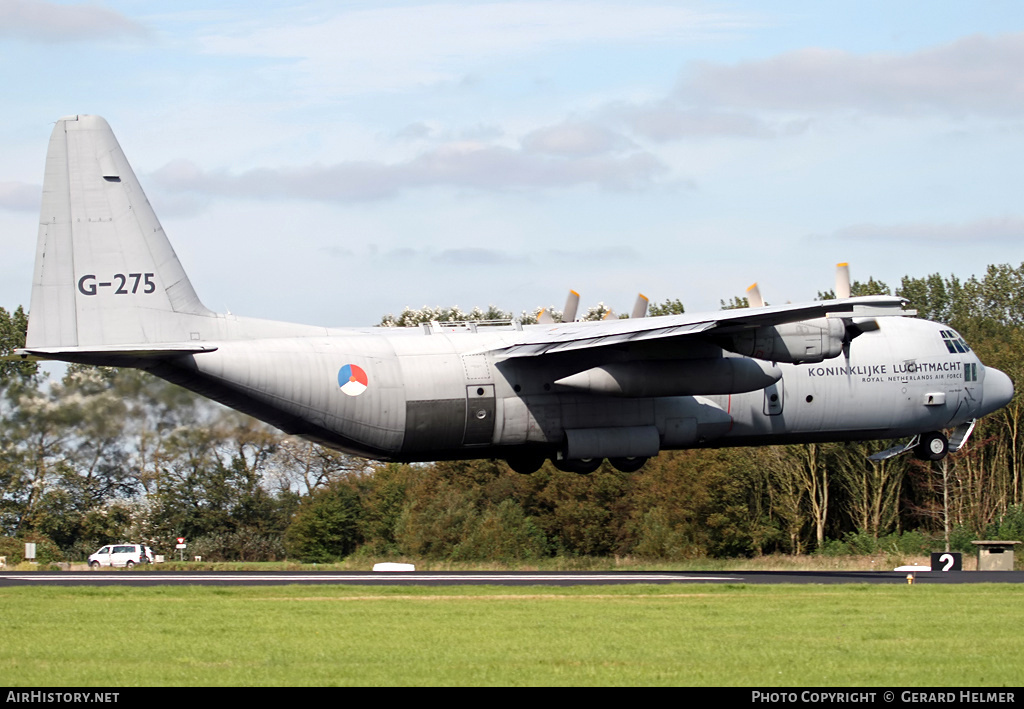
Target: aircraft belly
(680,421)
(685,421)
(536,420)
(348,387)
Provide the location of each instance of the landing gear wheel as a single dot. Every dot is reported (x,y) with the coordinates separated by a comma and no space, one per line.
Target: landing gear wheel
(582,466)
(628,465)
(525,464)
(933,446)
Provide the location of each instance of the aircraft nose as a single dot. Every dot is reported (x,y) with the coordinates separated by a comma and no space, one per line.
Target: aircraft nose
(997,392)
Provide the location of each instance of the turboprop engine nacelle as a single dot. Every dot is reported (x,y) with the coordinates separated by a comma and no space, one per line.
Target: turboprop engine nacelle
(806,341)
(724,375)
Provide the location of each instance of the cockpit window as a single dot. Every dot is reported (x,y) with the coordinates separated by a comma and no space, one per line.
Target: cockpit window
(954,343)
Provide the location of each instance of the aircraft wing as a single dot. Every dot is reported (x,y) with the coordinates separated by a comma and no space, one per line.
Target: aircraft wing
(584,335)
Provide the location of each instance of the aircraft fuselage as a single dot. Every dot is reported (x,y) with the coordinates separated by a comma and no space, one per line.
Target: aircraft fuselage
(108,289)
(445,395)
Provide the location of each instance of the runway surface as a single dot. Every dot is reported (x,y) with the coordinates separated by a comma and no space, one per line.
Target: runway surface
(478,578)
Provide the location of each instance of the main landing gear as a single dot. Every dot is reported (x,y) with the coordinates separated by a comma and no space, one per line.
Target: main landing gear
(525,463)
(528,463)
(583,466)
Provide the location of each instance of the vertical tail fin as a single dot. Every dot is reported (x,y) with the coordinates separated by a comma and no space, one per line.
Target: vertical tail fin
(105,272)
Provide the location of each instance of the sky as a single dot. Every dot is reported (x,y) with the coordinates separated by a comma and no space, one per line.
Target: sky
(328,163)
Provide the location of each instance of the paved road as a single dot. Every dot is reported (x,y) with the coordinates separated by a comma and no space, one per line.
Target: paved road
(476,578)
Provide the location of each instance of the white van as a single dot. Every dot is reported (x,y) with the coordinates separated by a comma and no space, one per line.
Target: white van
(126,555)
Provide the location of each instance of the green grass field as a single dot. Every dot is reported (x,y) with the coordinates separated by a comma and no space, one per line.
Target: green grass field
(855,635)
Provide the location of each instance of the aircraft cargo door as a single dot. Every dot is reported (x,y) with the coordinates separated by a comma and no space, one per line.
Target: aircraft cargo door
(479,415)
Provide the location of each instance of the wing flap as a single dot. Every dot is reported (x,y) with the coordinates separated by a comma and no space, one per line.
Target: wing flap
(573,341)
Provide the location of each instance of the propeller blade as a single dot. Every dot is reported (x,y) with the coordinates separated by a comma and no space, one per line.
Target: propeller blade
(639,307)
(544,317)
(754,298)
(571,304)
(842,280)
(855,327)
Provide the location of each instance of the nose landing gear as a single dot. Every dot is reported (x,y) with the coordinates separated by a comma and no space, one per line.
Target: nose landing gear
(927,446)
(931,446)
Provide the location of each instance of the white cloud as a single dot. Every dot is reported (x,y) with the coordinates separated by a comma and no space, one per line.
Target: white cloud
(976,75)
(415,131)
(979,231)
(50,22)
(666,120)
(779,96)
(609,254)
(574,139)
(474,256)
(464,165)
(393,47)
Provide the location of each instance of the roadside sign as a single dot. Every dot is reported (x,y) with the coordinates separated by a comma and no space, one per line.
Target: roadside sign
(947,561)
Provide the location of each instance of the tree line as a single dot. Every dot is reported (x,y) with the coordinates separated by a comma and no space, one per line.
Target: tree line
(107,455)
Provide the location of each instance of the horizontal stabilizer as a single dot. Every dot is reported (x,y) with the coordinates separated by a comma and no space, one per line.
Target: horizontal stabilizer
(111,354)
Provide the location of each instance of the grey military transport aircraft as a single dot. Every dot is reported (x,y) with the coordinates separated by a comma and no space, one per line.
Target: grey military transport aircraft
(109,290)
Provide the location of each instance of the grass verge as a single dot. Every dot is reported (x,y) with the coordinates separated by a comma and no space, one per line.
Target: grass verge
(859,635)
(773,562)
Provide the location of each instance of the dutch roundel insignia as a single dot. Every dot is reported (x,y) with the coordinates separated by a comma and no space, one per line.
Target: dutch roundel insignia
(352,380)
